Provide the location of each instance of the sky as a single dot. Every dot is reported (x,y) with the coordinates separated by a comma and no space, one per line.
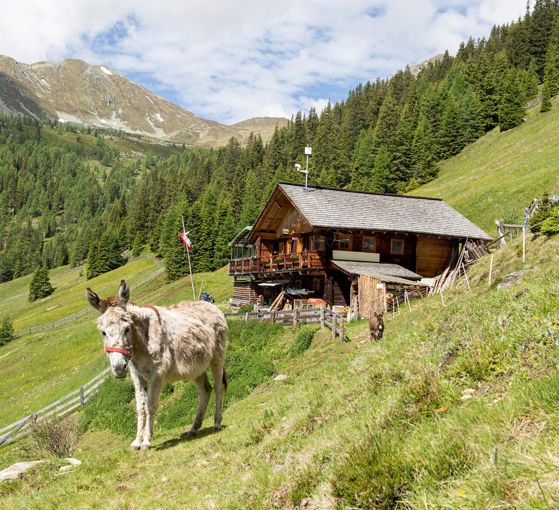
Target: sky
(229,60)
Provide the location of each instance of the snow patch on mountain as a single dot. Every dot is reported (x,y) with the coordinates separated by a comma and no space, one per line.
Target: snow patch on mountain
(108,72)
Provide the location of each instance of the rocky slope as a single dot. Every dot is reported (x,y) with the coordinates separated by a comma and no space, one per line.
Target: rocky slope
(74,91)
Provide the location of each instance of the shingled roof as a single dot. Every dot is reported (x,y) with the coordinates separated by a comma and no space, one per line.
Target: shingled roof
(356,210)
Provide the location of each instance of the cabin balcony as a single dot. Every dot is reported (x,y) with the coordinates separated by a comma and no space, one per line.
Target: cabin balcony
(247,266)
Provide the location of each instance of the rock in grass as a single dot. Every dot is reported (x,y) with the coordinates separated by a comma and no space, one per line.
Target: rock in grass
(72,461)
(281,377)
(12,472)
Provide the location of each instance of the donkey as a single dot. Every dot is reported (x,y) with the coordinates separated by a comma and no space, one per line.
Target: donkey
(160,344)
(376,325)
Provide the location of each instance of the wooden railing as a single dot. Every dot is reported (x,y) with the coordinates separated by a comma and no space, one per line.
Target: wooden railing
(61,407)
(323,316)
(275,263)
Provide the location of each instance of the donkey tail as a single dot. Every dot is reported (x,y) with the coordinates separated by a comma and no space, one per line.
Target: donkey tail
(224,380)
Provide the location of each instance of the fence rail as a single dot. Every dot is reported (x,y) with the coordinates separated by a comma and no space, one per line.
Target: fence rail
(82,313)
(61,407)
(323,316)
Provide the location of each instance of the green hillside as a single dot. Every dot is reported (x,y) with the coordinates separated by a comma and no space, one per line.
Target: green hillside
(360,424)
(499,175)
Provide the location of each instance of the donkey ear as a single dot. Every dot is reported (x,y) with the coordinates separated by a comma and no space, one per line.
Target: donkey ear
(95,301)
(123,293)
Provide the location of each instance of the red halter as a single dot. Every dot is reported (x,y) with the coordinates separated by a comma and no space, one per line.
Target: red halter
(128,354)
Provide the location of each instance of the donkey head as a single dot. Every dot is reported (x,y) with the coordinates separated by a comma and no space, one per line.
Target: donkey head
(115,324)
(380,320)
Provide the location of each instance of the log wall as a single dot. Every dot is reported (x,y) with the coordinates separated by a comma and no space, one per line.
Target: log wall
(432,255)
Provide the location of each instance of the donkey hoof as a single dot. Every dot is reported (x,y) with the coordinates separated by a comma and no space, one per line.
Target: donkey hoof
(135,445)
(217,428)
(145,446)
(192,433)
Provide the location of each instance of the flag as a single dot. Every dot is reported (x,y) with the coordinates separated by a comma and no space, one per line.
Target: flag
(185,240)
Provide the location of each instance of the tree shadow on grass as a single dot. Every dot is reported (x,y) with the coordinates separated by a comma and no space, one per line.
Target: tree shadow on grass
(185,437)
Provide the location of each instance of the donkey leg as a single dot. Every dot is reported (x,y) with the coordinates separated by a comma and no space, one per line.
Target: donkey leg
(154,390)
(204,391)
(219,383)
(140,389)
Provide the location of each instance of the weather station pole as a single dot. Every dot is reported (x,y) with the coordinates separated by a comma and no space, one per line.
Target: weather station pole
(308,152)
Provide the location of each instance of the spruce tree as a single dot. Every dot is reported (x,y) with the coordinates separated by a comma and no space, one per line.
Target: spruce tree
(381,179)
(451,136)
(40,286)
(171,247)
(6,330)
(511,108)
(363,161)
(551,70)
(251,202)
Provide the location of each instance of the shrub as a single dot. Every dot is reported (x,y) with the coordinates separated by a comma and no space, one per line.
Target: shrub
(303,340)
(6,331)
(246,308)
(58,437)
(550,226)
(541,214)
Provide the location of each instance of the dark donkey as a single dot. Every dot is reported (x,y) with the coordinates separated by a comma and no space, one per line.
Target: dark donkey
(376,326)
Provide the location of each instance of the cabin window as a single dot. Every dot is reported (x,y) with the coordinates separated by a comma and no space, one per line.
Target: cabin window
(369,244)
(316,284)
(397,246)
(318,243)
(343,242)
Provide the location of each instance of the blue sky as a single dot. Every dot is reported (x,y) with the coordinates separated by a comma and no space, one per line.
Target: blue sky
(230,60)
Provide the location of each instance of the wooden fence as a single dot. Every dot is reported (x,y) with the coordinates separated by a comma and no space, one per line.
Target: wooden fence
(82,313)
(323,316)
(62,407)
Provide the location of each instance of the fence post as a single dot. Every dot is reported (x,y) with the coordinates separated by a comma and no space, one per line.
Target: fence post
(334,326)
(82,398)
(295,316)
(273,316)
(246,317)
(322,313)
(342,330)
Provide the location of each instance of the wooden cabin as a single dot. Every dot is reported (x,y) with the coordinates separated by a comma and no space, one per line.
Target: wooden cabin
(344,247)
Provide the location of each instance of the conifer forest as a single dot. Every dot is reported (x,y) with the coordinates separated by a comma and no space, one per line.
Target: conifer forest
(64,203)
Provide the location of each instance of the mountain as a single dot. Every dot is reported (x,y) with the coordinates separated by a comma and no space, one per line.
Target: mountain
(96,96)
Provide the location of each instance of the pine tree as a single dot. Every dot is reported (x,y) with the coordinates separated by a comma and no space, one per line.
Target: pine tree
(6,330)
(381,179)
(104,255)
(511,108)
(171,247)
(40,286)
(531,81)
(363,161)
(540,27)
(451,135)
(551,70)
(251,202)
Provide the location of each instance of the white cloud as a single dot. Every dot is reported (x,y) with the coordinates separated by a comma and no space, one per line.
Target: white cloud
(230,60)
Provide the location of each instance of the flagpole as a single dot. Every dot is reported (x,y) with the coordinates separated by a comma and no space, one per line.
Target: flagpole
(189,264)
